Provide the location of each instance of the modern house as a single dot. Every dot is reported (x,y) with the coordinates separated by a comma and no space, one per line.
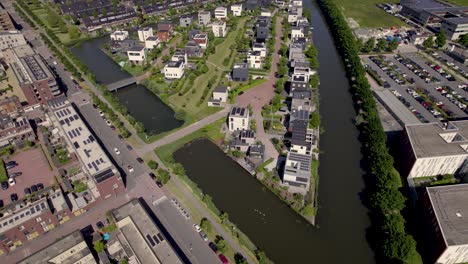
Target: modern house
(261,47)
(204,18)
(144,33)
(220,13)
(299,82)
(192,33)
(257,151)
(446,209)
(301,100)
(239,119)
(119,35)
(193,50)
(151,42)
(254,59)
(219,29)
(201,39)
(220,95)
(185,21)
(433,149)
(261,34)
(166,26)
(243,140)
(265,12)
(303,68)
(296,172)
(174,69)
(240,72)
(292,17)
(137,54)
(302,138)
(236,10)
(297,32)
(11,39)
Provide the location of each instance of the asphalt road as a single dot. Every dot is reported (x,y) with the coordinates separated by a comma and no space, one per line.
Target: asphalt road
(183,232)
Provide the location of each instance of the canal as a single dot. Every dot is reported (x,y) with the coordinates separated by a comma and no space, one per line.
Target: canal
(342,220)
(142,104)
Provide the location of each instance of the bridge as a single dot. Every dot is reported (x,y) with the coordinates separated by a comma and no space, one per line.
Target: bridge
(121,84)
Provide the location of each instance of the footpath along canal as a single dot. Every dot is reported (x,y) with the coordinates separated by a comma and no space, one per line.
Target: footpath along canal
(342,220)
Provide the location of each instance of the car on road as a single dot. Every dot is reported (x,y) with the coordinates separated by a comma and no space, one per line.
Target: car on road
(40,186)
(101,113)
(4,185)
(140,160)
(129,147)
(223,259)
(152,175)
(213,247)
(14,197)
(197,227)
(11,181)
(16,174)
(33,188)
(203,235)
(130,168)
(117,151)
(27,191)
(159,184)
(55,63)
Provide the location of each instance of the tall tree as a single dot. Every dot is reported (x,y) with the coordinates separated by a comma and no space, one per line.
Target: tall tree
(393,45)
(382,44)
(428,43)
(440,38)
(464,40)
(369,45)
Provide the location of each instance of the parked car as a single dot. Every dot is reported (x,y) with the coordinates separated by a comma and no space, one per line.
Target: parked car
(197,227)
(11,181)
(101,113)
(99,224)
(5,185)
(213,247)
(203,235)
(9,166)
(33,188)
(130,168)
(152,175)
(159,184)
(14,197)
(129,147)
(120,137)
(16,174)
(117,151)
(140,160)
(223,259)
(40,186)
(1,203)
(27,191)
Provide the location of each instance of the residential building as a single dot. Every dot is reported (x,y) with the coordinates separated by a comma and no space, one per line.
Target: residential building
(261,34)
(303,68)
(247,136)
(446,221)
(240,72)
(220,13)
(460,55)
(257,151)
(185,21)
(120,35)
(165,25)
(417,38)
(144,33)
(180,55)
(280,3)
(192,33)
(219,29)
(265,12)
(220,95)
(36,80)
(297,32)
(151,42)
(302,138)
(6,24)
(299,82)
(239,119)
(69,249)
(201,40)
(30,220)
(292,17)
(204,18)
(254,59)
(434,149)
(15,129)
(295,48)
(11,39)
(174,69)
(236,10)
(243,140)
(163,35)
(193,50)
(139,238)
(296,172)
(260,47)
(94,160)
(301,100)
(302,115)
(137,54)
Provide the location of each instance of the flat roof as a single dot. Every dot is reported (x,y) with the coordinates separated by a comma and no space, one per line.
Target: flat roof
(136,48)
(451,211)
(221,89)
(143,235)
(26,213)
(239,112)
(433,140)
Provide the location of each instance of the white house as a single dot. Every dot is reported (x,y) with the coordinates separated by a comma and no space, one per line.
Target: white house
(219,29)
(265,12)
(174,69)
(119,35)
(180,55)
(297,32)
(254,59)
(204,18)
(292,17)
(236,10)
(220,13)
(151,42)
(144,33)
(260,47)
(137,54)
(297,171)
(239,119)
(220,95)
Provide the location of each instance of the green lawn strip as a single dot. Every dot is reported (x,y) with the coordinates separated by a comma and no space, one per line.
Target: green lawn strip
(224,49)
(367,14)
(458,2)
(3,172)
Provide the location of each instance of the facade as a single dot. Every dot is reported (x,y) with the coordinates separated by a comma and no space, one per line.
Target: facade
(185,21)
(36,80)
(265,12)
(418,38)
(456,27)
(292,17)
(151,42)
(144,33)
(460,55)
(220,95)
(297,32)
(240,72)
(446,207)
(14,129)
(94,160)
(6,24)
(11,39)
(254,59)
(260,47)
(239,119)
(193,50)
(137,54)
(219,29)
(201,40)
(174,70)
(432,149)
(220,13)
(236,10)
(297,171)
(204,18)
(120,35)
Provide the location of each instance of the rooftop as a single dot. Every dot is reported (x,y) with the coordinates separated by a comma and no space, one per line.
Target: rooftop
(241,66)
(433,140)
(175,64)
(247,134)
(137,48)
(221,89)
(239,112)
(451,210)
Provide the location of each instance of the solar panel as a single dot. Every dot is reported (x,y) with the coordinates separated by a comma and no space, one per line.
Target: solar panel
(160,237)
(156,239)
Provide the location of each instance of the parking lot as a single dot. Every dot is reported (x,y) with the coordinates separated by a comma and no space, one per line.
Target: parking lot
(426,88)
(34,168)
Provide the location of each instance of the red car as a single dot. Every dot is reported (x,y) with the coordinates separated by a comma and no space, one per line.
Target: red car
(223,259)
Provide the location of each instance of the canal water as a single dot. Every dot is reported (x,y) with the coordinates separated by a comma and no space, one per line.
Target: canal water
(342,220)
(142,104)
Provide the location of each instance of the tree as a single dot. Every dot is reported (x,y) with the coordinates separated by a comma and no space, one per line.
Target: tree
(400,247)
(99,246)
(261,257)
(440,38)
(314,120)
(163,176)
(153,164)
(139,127)
(224,217)
(428,43)
(369,45)
(387,200)
(381,44)
(314,80)
(239,259)
(205,224)
(73,32)
(393,45)
(178,169)
(463,40)
(221,244)
(53,19)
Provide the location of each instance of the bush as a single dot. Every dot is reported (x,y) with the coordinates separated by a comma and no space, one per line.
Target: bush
(178,169)
(99,246)
(163,176)
(153,164)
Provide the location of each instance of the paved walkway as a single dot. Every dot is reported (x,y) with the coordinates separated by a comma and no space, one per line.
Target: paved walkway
(261,95)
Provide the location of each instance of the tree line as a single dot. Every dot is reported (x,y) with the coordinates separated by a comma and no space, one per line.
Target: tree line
(389,238)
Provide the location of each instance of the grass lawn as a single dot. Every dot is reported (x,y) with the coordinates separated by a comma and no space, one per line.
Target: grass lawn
(367,14)
(224,49)
(3,172)
(459,2)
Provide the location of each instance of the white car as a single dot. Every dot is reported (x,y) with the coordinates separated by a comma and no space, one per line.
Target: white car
(130,168)
(197,227)
(117,151)
(101,113)
(108,123)
(54,62)
(11,181)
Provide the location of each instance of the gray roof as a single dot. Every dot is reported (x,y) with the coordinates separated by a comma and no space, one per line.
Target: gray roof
(247,134)
(239,111)
(136,48)
(300,115)
(426,139)
(221,89)
(451,211)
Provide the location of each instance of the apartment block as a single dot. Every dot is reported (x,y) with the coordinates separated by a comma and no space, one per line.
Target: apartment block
(6,24)
(120,35)
(11,39)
